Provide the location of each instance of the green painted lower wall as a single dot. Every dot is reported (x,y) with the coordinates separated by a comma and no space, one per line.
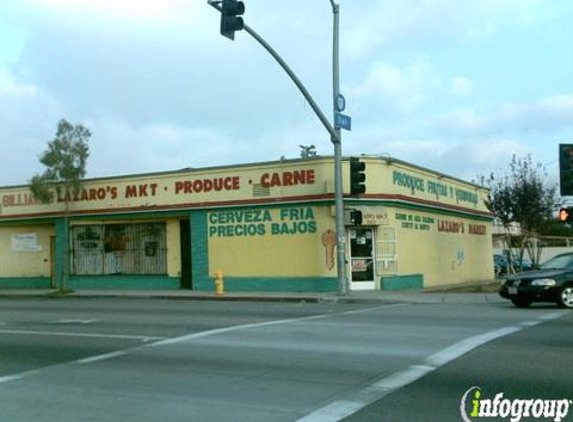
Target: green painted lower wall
(199,249)
(133,282)
(25,283)
(127,282)
(61,249)
(271,284)
(402,282)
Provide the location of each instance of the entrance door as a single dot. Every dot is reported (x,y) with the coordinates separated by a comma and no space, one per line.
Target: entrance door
(185,229)
(362,258)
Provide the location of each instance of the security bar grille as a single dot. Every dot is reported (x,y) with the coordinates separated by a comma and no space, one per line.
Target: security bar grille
(119,249)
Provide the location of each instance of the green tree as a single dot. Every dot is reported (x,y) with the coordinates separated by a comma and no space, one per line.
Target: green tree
(65,160)
(524,197)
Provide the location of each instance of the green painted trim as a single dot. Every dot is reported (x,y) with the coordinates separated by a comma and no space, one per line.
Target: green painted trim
(28,222)
(25,283)
(274,205)
(139,215)
(121,282)
(423,208)
(272,284)
(183,213)
(61,242)
(199,249)
(402,282)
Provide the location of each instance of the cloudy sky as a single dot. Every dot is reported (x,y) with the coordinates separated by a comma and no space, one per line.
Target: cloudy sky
(454,85)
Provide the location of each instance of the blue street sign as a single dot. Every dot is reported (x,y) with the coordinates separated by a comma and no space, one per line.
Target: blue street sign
(342,121)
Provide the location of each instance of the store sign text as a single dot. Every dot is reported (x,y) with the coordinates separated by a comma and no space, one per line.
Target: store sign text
(203,185)
(288,178)
(459,227)
(424,223)
(260,222)
(435,188)
(216,184)
(416,222)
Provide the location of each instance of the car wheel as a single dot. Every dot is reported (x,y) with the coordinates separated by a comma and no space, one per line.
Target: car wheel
(565,299)
(521,302)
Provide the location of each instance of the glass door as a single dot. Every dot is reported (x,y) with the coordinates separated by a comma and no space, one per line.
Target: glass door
(362,258)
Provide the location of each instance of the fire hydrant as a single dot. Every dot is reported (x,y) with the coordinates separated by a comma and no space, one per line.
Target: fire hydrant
(219,284)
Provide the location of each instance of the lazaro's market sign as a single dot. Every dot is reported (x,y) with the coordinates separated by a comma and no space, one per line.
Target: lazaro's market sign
(168,190)
(433,187)
(426,223)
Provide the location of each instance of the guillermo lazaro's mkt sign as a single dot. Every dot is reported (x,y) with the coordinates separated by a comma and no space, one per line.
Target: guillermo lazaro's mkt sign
(165,190)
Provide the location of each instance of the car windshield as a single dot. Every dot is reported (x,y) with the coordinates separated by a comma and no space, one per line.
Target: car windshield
(559,262)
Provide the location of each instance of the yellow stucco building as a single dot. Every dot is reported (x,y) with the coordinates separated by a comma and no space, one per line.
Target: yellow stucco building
(268,226)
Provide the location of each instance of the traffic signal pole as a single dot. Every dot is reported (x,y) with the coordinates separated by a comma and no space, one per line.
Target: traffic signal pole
(335,135)
(337,141)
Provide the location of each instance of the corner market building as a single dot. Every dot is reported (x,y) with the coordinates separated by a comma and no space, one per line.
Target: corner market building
(268,226)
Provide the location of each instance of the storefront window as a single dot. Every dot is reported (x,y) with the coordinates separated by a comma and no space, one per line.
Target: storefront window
(119,249)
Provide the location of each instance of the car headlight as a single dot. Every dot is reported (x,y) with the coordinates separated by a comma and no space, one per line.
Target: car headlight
(543,282)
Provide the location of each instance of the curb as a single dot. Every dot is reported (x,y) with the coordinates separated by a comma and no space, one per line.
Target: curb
(414,298)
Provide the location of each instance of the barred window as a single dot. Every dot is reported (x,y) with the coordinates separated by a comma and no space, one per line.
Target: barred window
(119,249)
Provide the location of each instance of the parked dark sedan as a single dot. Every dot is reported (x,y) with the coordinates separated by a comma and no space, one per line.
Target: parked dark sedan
(552,282)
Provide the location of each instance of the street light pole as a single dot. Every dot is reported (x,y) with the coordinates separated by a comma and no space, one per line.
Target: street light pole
(334,136)
(337,141)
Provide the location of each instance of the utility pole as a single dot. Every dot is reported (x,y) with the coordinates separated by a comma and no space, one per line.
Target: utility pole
(337,141)
(227,30)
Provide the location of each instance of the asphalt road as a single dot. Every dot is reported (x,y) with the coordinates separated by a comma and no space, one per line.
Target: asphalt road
(536,363)
(158,360)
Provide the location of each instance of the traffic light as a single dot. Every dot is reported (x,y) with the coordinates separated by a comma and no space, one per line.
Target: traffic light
(230,20)
(357,176)
(356,217)
(566,169)
(565,215)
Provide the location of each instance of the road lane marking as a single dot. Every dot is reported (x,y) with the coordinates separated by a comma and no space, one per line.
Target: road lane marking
(14,377)
(405,377)
(553,315)
(162,341)
(9,378)
(359,311)
(341,409)
(462,347)
(75,321)
(102,357)
(72,334)
(201,334)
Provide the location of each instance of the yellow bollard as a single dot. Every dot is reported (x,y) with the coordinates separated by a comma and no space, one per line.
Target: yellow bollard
(219,284)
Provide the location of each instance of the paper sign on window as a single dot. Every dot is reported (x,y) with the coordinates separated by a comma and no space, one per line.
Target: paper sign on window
(27,242)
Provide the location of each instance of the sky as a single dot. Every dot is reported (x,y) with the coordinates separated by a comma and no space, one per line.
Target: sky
(457,86)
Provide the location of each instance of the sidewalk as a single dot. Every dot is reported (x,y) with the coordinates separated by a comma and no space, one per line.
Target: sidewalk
(360,297)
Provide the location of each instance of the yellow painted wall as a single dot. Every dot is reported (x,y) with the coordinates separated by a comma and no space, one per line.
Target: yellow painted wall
(266,252)
(392,178)
(34,263)
(173,247)
(443,257)
(450,256)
